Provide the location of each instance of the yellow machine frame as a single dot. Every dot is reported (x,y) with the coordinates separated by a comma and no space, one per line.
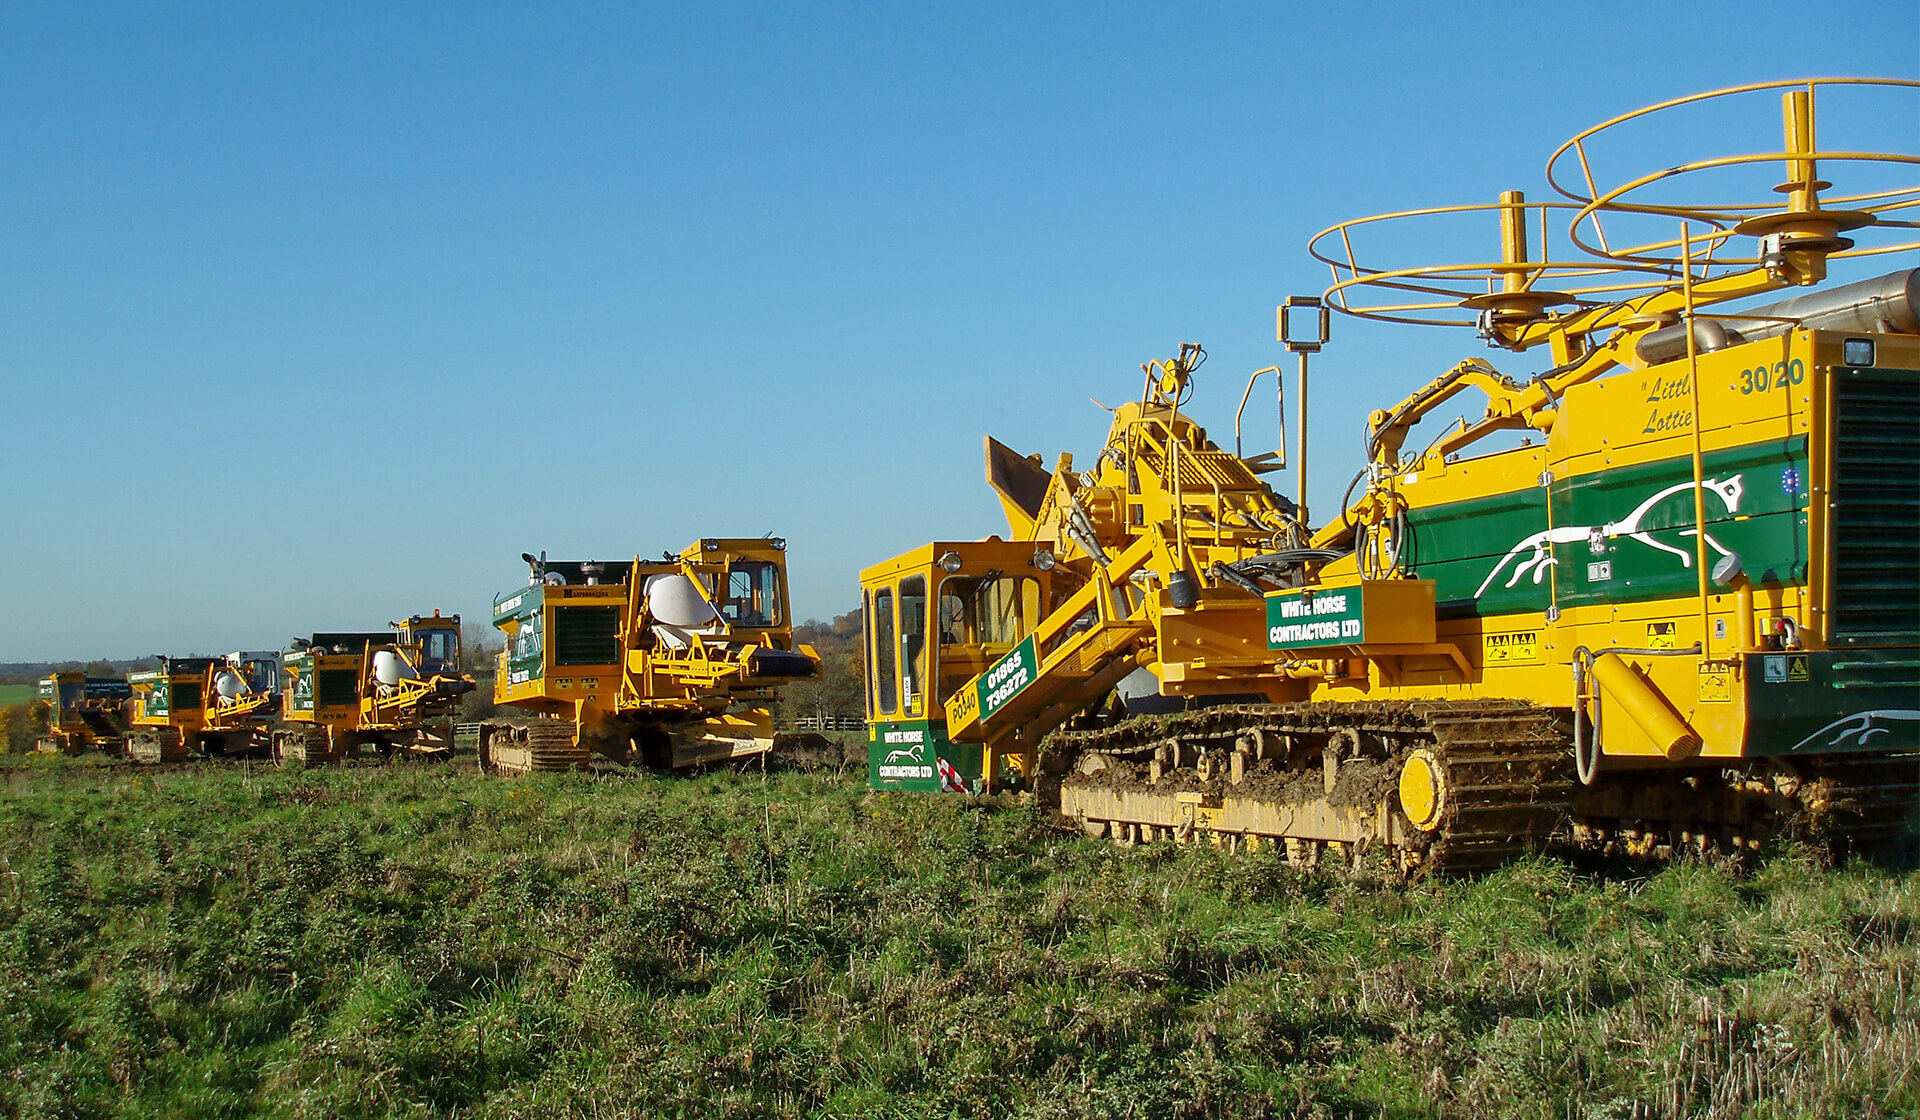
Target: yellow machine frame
(1661,564)
(177,710)
(335,703)
(700,694)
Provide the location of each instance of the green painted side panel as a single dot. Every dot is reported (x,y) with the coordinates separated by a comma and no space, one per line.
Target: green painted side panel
(1457,544)
(527,646)
(1639,526)
(1838,700)
(1616,536)
(516,604)
(907,755)
(527,649)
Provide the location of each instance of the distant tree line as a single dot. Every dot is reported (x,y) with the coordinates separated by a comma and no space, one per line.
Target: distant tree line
(841,689)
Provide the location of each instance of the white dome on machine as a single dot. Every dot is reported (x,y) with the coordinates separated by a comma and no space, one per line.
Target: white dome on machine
(676,600)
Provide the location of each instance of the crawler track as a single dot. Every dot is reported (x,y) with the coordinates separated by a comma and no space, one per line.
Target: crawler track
(1326,779)
(150,746)
(1851,804)
(1860,803)
(1323,778)
(310,745)
(545,746)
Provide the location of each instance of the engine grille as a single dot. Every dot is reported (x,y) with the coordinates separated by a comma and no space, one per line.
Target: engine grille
(1876,508)
(333,687)
(586,635)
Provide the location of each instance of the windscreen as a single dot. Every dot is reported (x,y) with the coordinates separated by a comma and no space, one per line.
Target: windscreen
(439,651)
(752,596)
(980,619)
(987,610)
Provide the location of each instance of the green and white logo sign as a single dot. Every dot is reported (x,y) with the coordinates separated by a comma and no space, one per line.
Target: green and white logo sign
(1310,618)
(1008,676)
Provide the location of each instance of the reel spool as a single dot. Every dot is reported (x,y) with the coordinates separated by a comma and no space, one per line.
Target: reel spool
(1882,219)
(1589,268)
(1517,287)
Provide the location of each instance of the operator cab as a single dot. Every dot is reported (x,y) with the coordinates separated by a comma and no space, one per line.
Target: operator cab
(752,596)
(259,668)
(935,618)
(437,642)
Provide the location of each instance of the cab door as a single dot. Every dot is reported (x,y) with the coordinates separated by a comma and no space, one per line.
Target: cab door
(897,652)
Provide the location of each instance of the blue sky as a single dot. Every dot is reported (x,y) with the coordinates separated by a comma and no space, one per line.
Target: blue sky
(315,316)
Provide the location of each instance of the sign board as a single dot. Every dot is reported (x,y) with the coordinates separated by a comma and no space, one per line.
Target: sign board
(1311,618)
(1006,678)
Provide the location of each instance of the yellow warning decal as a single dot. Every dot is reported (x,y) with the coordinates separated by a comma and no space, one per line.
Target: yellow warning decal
(1513,649)
(1716,682)
(1660,635)
(1797,668)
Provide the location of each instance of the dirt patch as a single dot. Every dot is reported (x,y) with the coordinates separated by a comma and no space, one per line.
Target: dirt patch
(1293,785)
(1364,783)
(810,750)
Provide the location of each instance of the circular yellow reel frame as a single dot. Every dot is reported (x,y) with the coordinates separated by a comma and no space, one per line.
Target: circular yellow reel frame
(1593,270)
(1466,293)
(1803,221)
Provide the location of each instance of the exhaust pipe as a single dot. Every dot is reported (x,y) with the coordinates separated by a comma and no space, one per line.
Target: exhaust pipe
(1888,304)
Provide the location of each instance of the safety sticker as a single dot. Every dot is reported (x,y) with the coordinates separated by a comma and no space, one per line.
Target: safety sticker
(1513,649)
(1716,682)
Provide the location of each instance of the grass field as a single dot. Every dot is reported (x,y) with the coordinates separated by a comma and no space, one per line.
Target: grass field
(421,941)
(16,694)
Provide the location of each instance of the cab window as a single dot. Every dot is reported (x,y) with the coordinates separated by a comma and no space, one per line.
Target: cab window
(753,594)
(880,625)
(262,675)
(980,619)
(439,651)
(987,610)
(913,642)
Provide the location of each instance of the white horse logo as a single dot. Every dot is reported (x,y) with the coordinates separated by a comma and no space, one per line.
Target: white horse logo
(1535,554)
(905,754)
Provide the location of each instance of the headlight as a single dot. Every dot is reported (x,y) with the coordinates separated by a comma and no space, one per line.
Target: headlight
(950,561)
(1043,560)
